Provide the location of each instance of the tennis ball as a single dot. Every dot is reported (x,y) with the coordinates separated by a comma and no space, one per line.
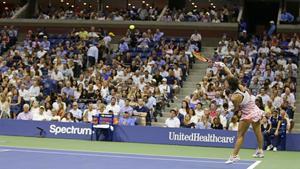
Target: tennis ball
(131,26)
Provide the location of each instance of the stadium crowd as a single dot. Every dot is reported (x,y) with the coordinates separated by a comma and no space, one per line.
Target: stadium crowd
(76,76)
(131,13)
(267,66)
(8,37)
(202,15)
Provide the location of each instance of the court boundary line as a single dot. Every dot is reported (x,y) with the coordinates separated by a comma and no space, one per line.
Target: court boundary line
(120,153)
(124,156)
(4,150)
(252,166)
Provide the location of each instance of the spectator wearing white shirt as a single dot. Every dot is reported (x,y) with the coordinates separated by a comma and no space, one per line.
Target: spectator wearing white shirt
(24,93)
(92,55)
(196,38)
(89,113)
(234,124)
(172,121)
(264,49)
(57,75)
(59,101)
(26,114)
(164,88)
(290,97)
(292,49)
(76,112)
(40,115)
(34,90)
(113,106)
(92,33)
(281,61)
(265,97)
(198,110)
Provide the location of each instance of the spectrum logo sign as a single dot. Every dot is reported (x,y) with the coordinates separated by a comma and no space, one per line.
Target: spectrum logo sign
(56,130)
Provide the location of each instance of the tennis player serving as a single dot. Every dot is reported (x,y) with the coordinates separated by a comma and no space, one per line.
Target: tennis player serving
(251,114)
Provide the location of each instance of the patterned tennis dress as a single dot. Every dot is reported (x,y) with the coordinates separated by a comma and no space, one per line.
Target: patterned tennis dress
(250,111)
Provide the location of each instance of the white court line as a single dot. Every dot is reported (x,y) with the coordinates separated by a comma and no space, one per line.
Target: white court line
(4,150)
(252,166)
(120,153)
(128,157)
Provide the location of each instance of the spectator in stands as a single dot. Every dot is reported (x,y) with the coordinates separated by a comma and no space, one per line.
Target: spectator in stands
(143,111)
(15,105)
(68,117)
(272,29)
(172,121)
(196,38)
(126,119)
(89,113)
(217,124)
(184,108)
(4,107)
(203,123)
(26,114)
(76,112)
(92,54)
(40,115)
(234,124)
(113,106)
(286,17)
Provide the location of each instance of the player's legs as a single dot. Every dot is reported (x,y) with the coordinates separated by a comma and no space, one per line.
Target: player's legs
(243,127)
(257,130)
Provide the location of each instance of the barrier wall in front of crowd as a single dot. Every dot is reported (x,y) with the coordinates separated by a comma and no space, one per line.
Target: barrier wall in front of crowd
(138,134)
(176,29)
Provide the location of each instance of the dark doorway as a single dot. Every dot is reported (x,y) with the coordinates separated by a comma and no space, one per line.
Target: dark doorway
(177,4)
(258,14)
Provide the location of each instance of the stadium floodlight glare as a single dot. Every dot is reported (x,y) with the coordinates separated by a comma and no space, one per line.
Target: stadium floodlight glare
(107,6)
(4,2)
(214,6)
(147,4)
(143,2)
(61,1)
(211,4)
(72,6)
(195,6)
(84,3)
(129,4)
(133,7)
(193,3)
(67,3)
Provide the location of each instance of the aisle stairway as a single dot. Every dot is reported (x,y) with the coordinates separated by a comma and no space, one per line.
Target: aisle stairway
(297,114)
(196,75)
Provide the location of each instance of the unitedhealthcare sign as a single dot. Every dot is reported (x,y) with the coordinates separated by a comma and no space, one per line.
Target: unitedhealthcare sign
(198,137)
(139,134)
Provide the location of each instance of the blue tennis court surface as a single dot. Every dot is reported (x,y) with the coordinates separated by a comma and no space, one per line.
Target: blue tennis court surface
(25,158)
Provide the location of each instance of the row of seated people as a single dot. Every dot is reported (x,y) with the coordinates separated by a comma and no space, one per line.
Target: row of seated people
(202,15)
(85,68)
(143,13)
(269,72)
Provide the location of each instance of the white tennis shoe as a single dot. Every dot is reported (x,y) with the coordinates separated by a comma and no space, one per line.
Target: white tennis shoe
(232,159)
(259,154)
